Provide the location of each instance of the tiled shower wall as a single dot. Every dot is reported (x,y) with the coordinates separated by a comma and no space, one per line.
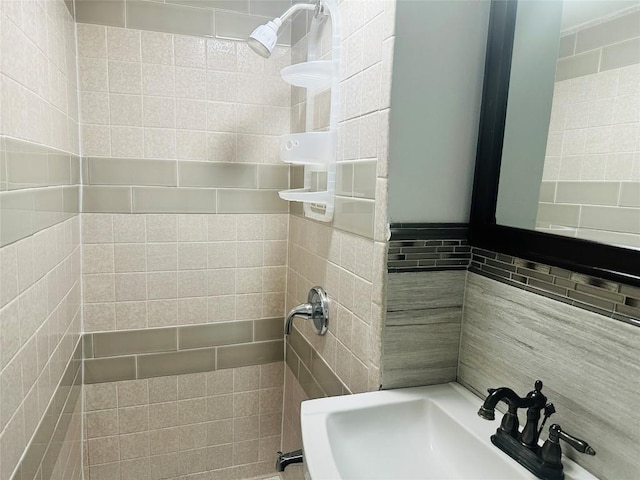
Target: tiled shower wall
(347,257)
(591,178)
(40,321)
(182,225)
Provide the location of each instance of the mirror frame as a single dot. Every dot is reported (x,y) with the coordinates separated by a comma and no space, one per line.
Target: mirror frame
(584,256)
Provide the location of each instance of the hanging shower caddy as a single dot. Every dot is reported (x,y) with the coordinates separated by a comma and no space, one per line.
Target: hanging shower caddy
(316,151)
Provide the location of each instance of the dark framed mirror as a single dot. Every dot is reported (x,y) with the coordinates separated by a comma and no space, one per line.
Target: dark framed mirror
(595,258)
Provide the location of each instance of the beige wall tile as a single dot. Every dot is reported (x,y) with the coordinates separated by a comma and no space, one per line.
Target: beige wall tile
(158,79)
(92,41)
(190,82)
(94,108)
(159,143)
(125,77)
(126,141)
(161,228)
(92,74)
(157,48)
(125,110)
(123,44)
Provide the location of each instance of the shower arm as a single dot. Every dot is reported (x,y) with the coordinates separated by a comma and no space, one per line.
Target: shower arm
(301,6)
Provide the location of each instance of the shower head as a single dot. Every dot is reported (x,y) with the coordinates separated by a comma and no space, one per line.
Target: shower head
(263,39)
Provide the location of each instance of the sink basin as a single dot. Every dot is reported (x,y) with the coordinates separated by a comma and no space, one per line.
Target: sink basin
(413,433)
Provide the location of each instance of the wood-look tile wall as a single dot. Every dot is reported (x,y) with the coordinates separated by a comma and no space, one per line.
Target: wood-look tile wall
(587,362)
(422,328)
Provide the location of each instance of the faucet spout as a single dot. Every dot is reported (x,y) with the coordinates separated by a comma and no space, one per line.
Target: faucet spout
(316,310)
(488,408)
(304,310)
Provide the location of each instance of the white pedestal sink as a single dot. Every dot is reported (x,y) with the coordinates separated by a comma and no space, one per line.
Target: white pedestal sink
(426,433)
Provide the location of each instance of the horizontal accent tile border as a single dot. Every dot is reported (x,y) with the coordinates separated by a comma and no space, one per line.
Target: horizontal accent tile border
(187,17)
(29,165)
(608,298)
(126,199)
(42,453)
(39,187)
(105,171)
(314,375)
(26,212)
(136,354)
(421,247)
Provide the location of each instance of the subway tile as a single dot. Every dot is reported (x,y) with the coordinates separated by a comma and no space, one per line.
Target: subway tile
(250,201)
(354,215)
(327,380)
(547,192)
(300,346)
(630,194)
(268,329)
(616,219)
(207,174)
(344,179)
(309,384)
(199,336)
(364,179)
(109,344)
(48,207)
(620,55)
(16,215)
(109,369)
(554,214)
(176,363)
(173,200)
(235,5)
(567,45)
(101,12)
(168,18)
(272,8)
(589,193)
(250,354)
(273,176)
(606,33)
(577,65)
(238,26)
(106,199)
(124,171)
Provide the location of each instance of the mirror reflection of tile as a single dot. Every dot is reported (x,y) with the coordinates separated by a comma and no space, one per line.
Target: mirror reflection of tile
(591,180)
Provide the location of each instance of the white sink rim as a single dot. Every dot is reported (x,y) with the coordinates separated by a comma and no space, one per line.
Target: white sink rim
(452,398)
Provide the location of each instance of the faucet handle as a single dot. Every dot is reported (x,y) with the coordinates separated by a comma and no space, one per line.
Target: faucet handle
(551,452)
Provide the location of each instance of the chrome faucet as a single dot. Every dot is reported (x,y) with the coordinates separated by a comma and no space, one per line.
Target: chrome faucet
(316,310)
(544,462)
